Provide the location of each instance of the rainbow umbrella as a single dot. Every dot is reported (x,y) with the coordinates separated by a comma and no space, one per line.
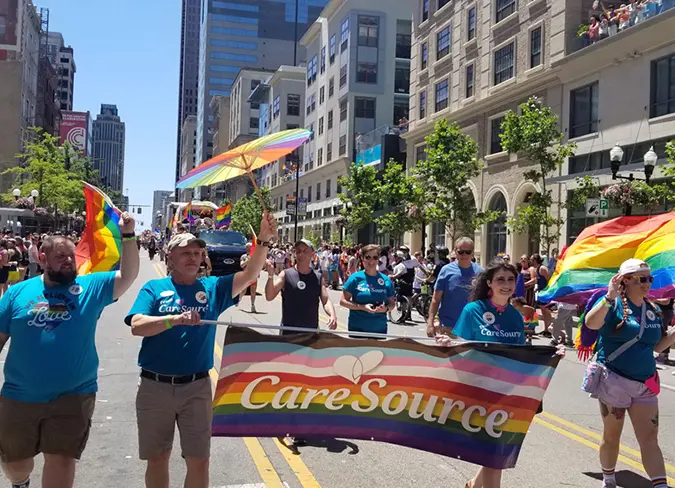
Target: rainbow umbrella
(244,159)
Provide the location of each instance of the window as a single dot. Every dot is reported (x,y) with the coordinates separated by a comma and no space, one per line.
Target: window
(323,59)
(318,191)
(505,8)
(424,55)
(220,67)
(423,104)
(320,125)
(344,34)
(292,104)
(471,24)
(319,157)
(328,185)
(255,106)
(329,152)
(503,64)
(364,108)
(332,49)
(425,10)
(343,110)
(441,95)
(276,107)
(311,132)
(369,29)
(234,44)
(469,81)
(495,130)
(234,32)
(331,86)
(254,123)
(309,193)
(535,47)
(235,57)
(343,75)
(442,3)
(234,6)
(662,81)
(496,230)
(213,80)
(443,43)
(584,110)
(234,19)
(330,120)
(342,148)
(365,73)
(322,95)
(311,71)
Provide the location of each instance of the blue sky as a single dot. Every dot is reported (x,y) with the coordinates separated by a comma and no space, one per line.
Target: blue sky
(127,53)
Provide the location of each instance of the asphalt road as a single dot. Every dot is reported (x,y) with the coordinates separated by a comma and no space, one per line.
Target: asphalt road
(560,449)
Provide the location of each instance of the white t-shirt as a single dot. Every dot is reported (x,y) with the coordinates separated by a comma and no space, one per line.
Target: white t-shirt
(399,269)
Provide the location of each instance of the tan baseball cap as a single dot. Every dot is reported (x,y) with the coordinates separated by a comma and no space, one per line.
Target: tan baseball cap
(182,240)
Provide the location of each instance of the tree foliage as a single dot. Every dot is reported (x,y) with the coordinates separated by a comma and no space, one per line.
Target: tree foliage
(247,212)
(443,179)
(360,196)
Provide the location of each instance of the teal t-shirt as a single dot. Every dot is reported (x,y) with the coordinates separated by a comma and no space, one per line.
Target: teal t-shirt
(481,321)
(183,349)
(364,290)
(52,330)
(636,363)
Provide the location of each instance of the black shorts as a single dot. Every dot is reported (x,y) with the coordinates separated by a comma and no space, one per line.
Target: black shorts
(4,275)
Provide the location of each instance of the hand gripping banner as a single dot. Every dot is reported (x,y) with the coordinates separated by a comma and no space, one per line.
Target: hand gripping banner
(472,401)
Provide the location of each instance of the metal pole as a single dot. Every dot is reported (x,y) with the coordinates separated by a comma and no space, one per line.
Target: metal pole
(295,35)
(297,164)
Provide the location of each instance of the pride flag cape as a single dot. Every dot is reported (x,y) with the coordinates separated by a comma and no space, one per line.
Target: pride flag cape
(100,248)
(595,256)
(473,401)
(224,216)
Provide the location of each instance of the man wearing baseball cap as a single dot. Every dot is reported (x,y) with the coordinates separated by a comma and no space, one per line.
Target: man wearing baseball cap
(177,354)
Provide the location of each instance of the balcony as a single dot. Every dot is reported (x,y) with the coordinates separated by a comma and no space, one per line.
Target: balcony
(403,46)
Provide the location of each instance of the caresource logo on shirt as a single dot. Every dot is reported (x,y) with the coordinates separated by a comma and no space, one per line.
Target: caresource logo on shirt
(172,304)
(48,316)
(651,315)
(494,332)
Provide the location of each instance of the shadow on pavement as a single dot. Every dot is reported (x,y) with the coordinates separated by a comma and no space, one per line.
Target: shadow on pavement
(330,444)
(626,479)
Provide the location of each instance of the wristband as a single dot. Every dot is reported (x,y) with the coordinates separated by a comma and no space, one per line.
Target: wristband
(129,234)
(609,303)
(127,239)
(168,323)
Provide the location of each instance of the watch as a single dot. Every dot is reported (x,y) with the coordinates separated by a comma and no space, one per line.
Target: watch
(262,243)
(129,235)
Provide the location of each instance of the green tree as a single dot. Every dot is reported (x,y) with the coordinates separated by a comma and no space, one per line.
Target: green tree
(443,179)
(533,134)
(247,212)
(360,196)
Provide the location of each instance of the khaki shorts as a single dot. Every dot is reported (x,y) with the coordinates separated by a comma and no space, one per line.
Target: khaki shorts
(160,406)
(58,427)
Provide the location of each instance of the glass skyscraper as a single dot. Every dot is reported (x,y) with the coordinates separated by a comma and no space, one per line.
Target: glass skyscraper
(245,34)
(108,150)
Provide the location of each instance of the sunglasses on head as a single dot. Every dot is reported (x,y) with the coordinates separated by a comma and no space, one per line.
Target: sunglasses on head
(463,252)
(643,279)
(371,258)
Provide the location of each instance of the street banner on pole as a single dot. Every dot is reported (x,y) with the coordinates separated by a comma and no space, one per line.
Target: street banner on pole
(290,205)
(473,401)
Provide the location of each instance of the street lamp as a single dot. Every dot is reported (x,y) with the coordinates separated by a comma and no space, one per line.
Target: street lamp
(649,160)
(34,193)
(17,193)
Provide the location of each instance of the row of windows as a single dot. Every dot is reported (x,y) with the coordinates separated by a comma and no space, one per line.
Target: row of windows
(224,68)
(234,57)
(292,105)
(234,32)
(503,8)
(234,44)
(235,19)
(220,81)
(234,6)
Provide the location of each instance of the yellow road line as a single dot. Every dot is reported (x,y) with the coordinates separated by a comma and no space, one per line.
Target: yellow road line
(304,475)
(630,462)
(263,463)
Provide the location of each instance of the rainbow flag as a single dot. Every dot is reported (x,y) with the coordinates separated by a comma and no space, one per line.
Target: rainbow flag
(473,401)
(187,213)
(100,248)
(595,256)
(224,216)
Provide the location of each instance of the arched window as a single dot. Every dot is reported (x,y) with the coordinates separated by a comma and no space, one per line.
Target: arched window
(496,230)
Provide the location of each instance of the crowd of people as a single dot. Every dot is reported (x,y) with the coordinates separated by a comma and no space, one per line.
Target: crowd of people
(51,320)
(613,19)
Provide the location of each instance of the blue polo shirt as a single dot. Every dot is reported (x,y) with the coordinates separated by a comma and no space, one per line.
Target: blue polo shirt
(182,350)
(455,283)
(52,331)
(481,321)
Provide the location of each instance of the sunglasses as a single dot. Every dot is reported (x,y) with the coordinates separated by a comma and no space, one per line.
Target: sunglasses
(371,258)
(643,279)
(463,252)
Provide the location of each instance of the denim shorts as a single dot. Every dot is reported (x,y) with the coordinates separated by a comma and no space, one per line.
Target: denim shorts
(618,391)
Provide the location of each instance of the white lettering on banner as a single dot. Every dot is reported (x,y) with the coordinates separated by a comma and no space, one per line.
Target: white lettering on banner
(389,405)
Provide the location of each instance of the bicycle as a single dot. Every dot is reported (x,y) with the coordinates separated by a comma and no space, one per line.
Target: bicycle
(422,301)
(402,309)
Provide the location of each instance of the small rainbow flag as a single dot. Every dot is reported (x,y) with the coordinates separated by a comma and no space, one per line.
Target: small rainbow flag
(589,263)
(224,216)
(472,401)
(187,213)
(100,248)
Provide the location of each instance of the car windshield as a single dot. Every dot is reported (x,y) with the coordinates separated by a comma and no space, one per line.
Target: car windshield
(223,238)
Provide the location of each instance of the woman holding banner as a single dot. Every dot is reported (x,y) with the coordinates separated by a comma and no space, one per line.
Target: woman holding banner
(368,295)
(490,317)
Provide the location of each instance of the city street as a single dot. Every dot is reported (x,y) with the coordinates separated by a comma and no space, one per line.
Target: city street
(560,449)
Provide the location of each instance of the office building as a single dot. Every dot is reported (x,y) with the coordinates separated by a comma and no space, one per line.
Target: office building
(356,88)
(236,34)
(108,153)
(63,60)
(244,116)
(19,63)
(188,75)
(472,61)
(188,141)
(159,200)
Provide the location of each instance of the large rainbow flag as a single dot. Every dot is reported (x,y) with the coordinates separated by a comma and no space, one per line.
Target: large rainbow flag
(472,401)
(100,248)
(595,256)
(224,216)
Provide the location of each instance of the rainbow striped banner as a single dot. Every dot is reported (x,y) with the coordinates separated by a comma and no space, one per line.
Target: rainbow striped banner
(594,258)
(224,216)
(473,401)
(100,248)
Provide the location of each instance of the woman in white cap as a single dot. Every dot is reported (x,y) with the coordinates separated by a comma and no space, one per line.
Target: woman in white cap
(624,378)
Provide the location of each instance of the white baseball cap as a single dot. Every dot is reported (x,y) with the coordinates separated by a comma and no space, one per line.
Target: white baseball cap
(633,265)
(182,240)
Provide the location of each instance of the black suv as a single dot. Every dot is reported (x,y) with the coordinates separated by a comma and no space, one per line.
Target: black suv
(225,248)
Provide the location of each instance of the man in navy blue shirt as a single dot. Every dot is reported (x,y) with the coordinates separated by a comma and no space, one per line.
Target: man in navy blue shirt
(177,354)
(451,290)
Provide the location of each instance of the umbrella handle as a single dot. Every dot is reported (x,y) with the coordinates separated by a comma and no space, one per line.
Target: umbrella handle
(257,192)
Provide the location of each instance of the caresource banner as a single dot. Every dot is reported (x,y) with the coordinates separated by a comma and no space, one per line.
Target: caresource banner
(74,129)
(472,401)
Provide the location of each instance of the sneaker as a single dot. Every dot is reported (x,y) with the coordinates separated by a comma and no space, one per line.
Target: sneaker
(253,310)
